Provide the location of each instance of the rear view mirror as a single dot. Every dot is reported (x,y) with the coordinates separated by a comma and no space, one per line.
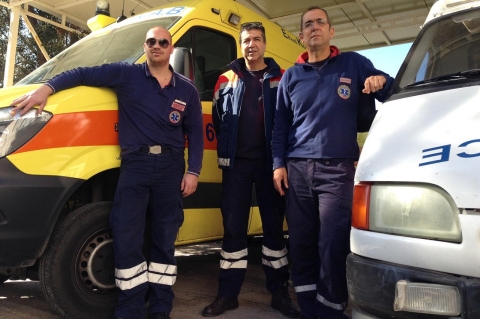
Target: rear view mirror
(182,62)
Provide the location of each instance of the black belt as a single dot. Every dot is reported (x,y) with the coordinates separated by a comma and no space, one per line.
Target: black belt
(155,149)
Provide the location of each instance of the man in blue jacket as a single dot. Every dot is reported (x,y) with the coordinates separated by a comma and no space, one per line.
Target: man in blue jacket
(314,149)
(243,112)
(156,108)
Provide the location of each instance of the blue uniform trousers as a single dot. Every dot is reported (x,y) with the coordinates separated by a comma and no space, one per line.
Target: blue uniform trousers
(236,203)
(319,205)
(150,182)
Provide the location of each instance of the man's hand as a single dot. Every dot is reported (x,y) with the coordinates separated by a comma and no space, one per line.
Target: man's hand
(279,176)
(38,97)
(189,184)
(374,83)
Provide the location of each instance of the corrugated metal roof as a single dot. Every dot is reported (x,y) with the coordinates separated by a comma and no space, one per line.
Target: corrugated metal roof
(359,24)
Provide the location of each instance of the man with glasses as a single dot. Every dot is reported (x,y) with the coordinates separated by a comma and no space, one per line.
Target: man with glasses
(314,149)
(243,113)
(314,141)
(156,108)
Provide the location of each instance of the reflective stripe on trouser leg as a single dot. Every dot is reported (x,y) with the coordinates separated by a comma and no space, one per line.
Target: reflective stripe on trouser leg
(335,207)
(127,220)
(235,260)
(235,206)
(162,274)
(166,206)
(319,246)
(132,277)
(306,299)
(274,258)
(272,213)
(232,272)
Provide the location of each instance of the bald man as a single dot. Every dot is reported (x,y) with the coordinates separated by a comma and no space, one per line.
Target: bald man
(157,109)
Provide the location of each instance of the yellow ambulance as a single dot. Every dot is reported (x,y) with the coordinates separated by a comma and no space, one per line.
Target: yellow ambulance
(58,171)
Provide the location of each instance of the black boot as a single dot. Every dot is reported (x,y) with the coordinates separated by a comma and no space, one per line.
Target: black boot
(281,301)
(219,306)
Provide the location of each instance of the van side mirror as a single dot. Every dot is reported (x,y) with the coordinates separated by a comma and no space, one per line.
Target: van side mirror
(182,62)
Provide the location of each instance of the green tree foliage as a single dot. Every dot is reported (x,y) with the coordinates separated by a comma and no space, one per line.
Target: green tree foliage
(29,56)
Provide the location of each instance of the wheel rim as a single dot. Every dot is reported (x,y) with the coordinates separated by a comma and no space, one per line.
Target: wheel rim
(95,263)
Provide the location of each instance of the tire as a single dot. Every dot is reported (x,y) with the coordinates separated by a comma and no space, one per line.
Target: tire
(77,270)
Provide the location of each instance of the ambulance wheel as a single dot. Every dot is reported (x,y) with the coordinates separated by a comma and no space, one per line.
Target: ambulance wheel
(76,270)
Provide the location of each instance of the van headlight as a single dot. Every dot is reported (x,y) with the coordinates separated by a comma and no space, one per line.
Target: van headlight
(17,130)
(413,210)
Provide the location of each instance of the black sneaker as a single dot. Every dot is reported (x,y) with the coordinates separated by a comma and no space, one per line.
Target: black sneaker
(219,306)
(281,301)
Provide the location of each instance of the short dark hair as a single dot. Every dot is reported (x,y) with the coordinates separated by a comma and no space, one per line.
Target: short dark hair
(247,26)
(314,8)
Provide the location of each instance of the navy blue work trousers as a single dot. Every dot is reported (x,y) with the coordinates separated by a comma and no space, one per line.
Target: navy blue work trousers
(319,205)
(236,205)
(147,182)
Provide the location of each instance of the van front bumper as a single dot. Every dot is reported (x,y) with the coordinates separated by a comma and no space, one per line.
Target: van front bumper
(29,207)
(371,285)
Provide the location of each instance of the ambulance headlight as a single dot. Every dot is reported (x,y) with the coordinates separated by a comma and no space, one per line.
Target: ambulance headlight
(16,130)
(414,210)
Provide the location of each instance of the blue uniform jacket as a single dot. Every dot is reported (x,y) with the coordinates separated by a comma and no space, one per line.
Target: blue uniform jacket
(148,114)
(226,109)
(316,115)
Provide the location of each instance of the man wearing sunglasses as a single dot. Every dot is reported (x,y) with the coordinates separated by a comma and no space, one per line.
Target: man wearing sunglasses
(314,141)
(243,111)
(157,108)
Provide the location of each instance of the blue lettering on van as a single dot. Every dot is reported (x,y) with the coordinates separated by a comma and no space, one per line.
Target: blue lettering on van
(175,10)
(160,12)
(466,155)
(444,154)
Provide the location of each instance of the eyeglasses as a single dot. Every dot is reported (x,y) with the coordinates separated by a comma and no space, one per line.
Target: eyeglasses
(250,24)
(163,43)
(310,23)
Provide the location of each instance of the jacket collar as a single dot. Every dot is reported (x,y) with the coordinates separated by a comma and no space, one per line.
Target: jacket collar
(239,64)
(303,58)
(148,73)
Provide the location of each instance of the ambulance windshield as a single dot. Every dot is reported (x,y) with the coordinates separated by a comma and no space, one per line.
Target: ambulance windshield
(447,49)
(115,43)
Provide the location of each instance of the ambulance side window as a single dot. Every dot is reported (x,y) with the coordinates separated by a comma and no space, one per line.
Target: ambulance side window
(212,51)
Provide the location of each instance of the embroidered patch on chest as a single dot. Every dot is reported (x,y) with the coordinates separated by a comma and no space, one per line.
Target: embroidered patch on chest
(174,117)
(179,105)
(343,91)
(346,80)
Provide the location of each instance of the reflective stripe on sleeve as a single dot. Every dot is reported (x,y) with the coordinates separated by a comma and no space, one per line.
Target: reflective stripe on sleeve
(274,83)
(337,306)
(237,264)
(223,161)
(274,253)
(131,283)
(235,255)
(275,263)
(306,288)
(131,272)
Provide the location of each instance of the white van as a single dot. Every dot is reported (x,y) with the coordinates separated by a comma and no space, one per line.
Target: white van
(415,237)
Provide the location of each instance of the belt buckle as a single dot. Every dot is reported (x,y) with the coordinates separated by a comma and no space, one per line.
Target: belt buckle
(155,149)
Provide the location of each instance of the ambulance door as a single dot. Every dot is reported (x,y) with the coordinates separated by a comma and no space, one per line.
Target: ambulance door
(213,46)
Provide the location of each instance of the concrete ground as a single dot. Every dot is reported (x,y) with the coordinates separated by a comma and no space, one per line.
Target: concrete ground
(196,287)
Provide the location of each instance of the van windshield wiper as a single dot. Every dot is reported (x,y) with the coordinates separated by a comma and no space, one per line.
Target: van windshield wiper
(462,75)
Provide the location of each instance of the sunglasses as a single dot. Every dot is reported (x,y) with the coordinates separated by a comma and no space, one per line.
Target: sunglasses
(163,43)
